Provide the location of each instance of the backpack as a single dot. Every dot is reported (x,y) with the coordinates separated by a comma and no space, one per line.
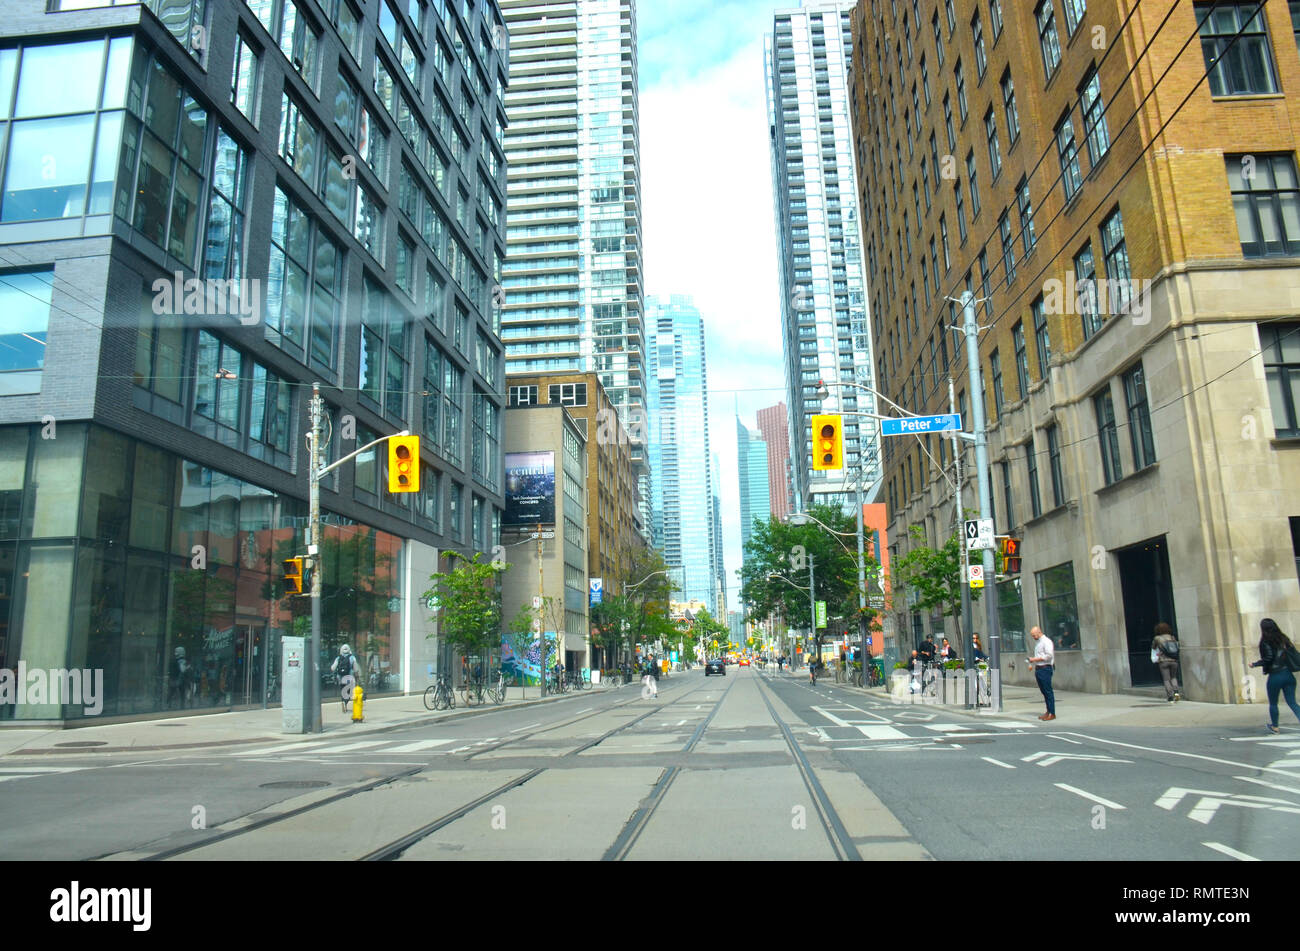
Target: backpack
(345,665)
(1170,648)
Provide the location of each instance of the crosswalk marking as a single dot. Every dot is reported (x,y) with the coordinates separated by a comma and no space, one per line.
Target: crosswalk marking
(947,727)
(417,747)
(263,751)
(882,733)
(32,772)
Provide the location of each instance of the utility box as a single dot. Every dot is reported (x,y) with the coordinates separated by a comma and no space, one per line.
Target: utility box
(293,689)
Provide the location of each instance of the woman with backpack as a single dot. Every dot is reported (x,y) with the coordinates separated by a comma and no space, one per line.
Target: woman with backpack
(1280,660)
(1164,651)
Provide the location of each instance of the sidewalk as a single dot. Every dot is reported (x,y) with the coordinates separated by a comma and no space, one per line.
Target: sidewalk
(243,727)
(1077,710)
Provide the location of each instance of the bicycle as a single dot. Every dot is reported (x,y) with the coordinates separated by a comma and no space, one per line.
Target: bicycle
(473,691)
(497,692)
(983,687)
(876,677)
(438,696)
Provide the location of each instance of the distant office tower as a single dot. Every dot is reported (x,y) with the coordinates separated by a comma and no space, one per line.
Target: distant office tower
(775,427)
(681,470)
(719,570)
(572,277)
(824,311)
(751,461)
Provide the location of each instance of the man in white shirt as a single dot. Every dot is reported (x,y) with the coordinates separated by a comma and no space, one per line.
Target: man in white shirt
(1044,663)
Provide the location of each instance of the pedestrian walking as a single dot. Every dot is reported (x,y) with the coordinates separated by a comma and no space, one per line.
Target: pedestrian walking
(1043,661)
(1280,660)
(650,684)
(344,668)
(1164,651)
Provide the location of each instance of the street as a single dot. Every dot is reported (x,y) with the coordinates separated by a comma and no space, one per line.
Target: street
(754,765)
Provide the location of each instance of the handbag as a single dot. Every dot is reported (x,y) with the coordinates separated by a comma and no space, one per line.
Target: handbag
(1155,655)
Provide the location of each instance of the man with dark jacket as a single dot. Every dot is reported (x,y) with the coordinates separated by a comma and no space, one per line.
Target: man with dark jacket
(1165,646)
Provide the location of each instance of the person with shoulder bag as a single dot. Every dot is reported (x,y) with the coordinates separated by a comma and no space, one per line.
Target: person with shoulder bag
(1164,653)
(1280,660)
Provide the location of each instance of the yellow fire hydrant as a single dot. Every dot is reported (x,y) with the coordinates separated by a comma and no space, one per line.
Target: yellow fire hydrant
(358,699)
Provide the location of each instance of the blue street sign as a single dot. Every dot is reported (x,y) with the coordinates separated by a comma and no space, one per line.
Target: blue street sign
(597,589)
(913,425)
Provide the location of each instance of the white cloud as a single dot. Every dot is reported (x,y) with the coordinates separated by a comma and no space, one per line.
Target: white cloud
(709,232)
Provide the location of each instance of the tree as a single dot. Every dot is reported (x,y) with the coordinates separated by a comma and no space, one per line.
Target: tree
(710,629)
(779,548)
(935,576)
(639,614)
(470,605)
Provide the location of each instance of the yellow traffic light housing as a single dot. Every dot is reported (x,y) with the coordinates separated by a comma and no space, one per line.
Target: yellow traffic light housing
(404,464)
(827,442)
(293,575)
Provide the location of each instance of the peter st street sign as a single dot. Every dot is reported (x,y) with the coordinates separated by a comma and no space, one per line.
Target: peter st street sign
(920,425)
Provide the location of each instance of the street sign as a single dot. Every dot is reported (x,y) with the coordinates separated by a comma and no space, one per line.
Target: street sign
(877,603)
(597,586)
(541,534)
(919,425)
(979,534)
(976,576)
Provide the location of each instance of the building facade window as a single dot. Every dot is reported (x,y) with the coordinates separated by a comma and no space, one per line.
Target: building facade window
(223,253)
(1075,10)
(972,173)
(1008,506)
(244,76)
(1085,278)
(1234,42)
(1112,470)
(1008,247)
(1048,40)
(977,34)
(1266,201)
(383,367)
(523,395)
(1280,346)
(1042,339)
(1139,418)
(1095,130)
(1058,612)
(1054,459)
(25,300)
(567,394)
(1031,460)
(1119,276)
(995,368)
(962,108)
(991,137)
(1026,210)
(1067,152)
(1022,359)
(304,286)
(1009,108)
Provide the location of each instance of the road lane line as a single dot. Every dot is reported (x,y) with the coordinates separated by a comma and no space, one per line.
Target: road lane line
(1260,782)
(522,728)
(279,749)
(1209,759)
(588,710)
(680,722)
(996,762)
(1067,739)
(1088,795)
(417,747)
(1233,853)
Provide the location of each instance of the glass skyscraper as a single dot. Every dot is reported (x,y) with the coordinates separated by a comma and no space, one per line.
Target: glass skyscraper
(682,484)
(572,277)
(825,327)
(751,461)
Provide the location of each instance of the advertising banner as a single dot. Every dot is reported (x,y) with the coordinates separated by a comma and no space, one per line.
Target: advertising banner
(530,488)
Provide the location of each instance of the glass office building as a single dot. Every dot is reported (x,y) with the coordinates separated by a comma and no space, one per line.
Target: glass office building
(207,208)
(751,460)
(824,319)
(682,481)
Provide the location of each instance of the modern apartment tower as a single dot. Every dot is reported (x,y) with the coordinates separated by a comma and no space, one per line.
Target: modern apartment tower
(825,330)
(572,280)
(1128,215)
(773,423)
(752,464)
(680,464)
(207,208)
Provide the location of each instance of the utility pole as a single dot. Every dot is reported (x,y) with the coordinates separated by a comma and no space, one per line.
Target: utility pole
(967,621)
(315,720)
(862,576)
(972,330)
(812,605)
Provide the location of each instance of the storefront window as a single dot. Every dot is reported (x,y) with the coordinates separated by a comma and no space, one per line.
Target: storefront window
(1058,613)
(1011,616)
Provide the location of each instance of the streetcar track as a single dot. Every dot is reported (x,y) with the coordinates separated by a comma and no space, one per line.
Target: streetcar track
(395,848)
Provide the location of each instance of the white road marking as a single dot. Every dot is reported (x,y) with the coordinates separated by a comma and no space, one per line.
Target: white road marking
(955,746)
(1211,759)
(41,769)
(1010,724)
(352,746)
(1067,739)
(522,728)
(947,727)
(1210,802)
(1271,740)
(882,733)
(1233,853)
(832,717)
(417,747)
(279,749)
(1087,795)
(680,722)
(587,710)
(1052,758)
(1260,782)
(990,759)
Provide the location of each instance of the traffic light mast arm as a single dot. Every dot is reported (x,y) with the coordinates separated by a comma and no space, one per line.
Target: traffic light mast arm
(333,465)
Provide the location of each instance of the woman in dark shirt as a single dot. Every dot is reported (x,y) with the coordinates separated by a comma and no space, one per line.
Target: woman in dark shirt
(979,648)
(1276,653)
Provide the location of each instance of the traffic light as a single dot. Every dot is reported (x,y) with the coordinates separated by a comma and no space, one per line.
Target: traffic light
(828,442)
(1009,550)
(404,464)
(293,576)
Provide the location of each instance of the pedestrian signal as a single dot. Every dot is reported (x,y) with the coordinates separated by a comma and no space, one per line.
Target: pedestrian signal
(293,576)
(828,442)
(404,464)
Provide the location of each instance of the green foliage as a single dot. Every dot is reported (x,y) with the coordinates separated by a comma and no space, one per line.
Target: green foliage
(934,575)
(469,605)
(780,548)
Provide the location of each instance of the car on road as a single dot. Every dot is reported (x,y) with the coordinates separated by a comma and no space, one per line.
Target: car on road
(715,666)
(744,662)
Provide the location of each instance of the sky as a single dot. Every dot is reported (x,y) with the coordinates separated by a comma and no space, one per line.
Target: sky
(707,209)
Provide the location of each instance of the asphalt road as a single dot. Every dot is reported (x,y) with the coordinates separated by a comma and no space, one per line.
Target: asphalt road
(798,773)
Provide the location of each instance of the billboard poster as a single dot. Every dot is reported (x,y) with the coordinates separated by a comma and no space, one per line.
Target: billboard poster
(530,488)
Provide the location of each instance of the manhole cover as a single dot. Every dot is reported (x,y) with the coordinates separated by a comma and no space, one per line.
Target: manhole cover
(295,784)
(964,740)
(85,743)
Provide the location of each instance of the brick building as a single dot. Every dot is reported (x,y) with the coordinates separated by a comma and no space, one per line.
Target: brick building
(1126,207)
